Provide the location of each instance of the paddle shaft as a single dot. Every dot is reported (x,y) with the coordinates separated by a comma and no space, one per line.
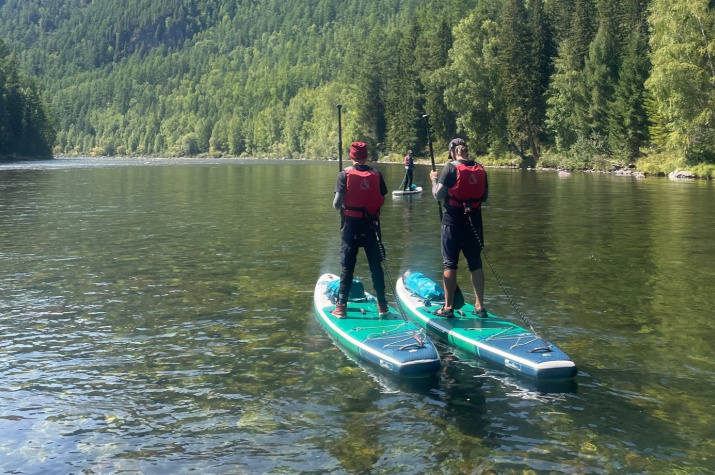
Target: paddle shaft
(431,155)
(340,137)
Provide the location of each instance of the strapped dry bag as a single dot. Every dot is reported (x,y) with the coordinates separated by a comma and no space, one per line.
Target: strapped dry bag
(425,287)
(357,291)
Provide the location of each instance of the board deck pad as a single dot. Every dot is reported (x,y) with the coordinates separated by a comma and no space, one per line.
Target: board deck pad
(491,338)
(392,343)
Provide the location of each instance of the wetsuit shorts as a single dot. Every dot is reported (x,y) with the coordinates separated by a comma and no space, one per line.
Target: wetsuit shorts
(457,238)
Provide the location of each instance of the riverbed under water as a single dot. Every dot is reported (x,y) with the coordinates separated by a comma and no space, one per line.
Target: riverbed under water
(155,317)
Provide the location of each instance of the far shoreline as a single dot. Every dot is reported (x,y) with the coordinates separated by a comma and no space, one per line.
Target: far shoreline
(629,171)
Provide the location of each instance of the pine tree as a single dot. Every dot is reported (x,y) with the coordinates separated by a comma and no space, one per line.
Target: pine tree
(560,18)
(25,125)
(584,25)
(627,118)
(404,95)
(565,98)
(365,72)
(600,76)
(542,52)
(442,120)
(520,78)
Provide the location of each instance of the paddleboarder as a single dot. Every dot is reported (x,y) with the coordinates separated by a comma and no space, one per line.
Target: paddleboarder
(463,187)
(409,168)
(359,194)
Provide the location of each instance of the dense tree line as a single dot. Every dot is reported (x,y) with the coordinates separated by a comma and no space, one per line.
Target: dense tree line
(26,129)
(594,81)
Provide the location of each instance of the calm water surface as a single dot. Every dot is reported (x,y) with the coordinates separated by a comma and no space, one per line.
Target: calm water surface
(156,318)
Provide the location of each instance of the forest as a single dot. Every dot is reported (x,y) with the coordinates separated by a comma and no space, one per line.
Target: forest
(26,129)
(578,84)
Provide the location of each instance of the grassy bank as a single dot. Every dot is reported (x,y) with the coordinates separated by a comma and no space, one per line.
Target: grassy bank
(654,164)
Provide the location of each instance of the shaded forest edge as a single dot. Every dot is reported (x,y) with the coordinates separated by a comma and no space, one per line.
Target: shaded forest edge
(26,129)
(586,85)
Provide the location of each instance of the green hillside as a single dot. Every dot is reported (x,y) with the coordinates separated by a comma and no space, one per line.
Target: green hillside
(594,83)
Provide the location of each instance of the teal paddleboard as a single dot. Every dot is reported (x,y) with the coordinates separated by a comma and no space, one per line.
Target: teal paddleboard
(491,338)
(392,343)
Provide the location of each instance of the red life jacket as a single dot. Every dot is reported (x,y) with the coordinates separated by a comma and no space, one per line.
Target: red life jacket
(470,186)
(363,198)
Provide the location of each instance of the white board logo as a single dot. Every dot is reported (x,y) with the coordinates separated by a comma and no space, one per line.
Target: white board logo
(364,184)
(510,364)
(473,180)
(385,365)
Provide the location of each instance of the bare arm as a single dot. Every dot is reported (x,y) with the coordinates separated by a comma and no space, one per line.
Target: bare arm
(338,200)
(439,191)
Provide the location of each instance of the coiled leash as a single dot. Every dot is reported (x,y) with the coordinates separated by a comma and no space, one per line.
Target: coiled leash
(420,340)
(546,347)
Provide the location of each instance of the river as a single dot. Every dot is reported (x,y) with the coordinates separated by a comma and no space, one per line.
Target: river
(155,317)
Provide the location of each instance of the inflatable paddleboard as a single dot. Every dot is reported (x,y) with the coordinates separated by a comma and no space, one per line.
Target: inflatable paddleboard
(491,338)
(392,343)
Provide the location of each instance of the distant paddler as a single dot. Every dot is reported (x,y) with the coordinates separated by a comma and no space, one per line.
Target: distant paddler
(409,169)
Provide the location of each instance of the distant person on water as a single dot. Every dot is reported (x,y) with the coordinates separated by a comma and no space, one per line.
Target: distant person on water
(409,168)
(463,186)
(359,194)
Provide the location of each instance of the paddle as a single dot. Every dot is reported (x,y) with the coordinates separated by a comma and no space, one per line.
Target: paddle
(340,138)
(458,301)
(431,154)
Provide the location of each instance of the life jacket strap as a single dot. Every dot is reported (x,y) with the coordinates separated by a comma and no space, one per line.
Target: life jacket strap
(358,212)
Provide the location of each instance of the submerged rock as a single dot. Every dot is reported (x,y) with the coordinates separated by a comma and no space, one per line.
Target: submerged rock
(679,174)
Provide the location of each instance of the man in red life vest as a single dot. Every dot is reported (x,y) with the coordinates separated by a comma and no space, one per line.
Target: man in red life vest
(359,194)
(463,186)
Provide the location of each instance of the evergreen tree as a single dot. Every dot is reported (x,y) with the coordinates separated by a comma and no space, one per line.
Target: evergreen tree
(584,25)
(473,89)
(600,76)
(520,78)
(365,72)
(565,98)
(403,101)
(682,79)
(627,118)
(25,125)
(559,14)
(442,120)
(542,53)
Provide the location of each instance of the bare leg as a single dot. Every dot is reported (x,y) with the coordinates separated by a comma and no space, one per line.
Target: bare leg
(449,280)
(478,284)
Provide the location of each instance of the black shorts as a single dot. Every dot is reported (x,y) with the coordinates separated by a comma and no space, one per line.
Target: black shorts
(457,238)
